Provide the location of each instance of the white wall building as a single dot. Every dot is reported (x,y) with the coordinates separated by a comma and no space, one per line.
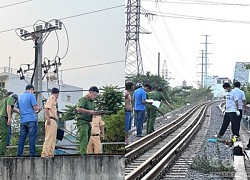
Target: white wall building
(241,74)
(216,84)
(10,80)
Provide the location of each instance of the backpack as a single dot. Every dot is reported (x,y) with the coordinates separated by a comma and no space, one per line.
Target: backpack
(238,151)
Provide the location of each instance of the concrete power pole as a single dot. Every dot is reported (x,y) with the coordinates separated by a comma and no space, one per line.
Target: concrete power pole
(39,36)
(38,69)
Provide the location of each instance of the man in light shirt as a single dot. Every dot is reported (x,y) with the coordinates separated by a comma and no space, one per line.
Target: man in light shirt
(241,103)
(51,116)
(231,111)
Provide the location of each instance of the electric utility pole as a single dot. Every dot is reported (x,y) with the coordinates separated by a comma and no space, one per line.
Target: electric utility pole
(202,68)
(206,61)
(39,35)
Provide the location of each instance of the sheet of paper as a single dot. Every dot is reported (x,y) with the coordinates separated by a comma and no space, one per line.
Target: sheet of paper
(156,104)
(149,100)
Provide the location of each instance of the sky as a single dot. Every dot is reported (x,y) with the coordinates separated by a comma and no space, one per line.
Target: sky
(179,40)
(96,36)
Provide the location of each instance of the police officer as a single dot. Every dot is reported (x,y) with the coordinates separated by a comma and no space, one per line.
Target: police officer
(152,110)
(85,111)
(50,124)
(97,133)
(6,110)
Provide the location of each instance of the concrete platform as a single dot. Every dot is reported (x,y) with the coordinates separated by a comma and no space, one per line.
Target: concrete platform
(100,167)
(239,164)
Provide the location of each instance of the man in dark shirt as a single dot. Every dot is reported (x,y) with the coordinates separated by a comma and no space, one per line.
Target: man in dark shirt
(85,110)
(152,110)
(6,109)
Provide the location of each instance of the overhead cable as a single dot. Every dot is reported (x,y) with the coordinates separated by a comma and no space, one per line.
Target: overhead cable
(69,17)
(14,4)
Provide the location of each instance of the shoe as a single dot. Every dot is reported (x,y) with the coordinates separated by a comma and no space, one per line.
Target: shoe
(217,136)
(236,137)
(139,135)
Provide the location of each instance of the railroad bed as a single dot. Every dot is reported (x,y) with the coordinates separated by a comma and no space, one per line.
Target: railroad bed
(146,153)
(175,161)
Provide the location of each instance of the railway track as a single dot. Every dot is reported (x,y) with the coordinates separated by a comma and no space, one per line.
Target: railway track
(146,158)
(180,167)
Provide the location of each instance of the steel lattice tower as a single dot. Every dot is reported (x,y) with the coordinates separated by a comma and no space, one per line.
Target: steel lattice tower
(133,58)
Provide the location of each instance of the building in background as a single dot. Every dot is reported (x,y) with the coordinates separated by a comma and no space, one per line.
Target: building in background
(184,83)
(164,71)
(69,95)
(241,74)
(10,80)
(216,84)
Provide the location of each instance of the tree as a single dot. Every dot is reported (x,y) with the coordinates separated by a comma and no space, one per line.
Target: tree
(115,131)
(247,93)
(154,80)
(69,113)
(111,99)
(200,94)
(3,93)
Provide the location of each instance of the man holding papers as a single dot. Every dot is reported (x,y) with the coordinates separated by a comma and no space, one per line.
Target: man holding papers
(155,99)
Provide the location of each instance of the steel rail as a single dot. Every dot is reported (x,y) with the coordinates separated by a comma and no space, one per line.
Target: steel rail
(145,139)
(171,146)
(139,147)
(165,161)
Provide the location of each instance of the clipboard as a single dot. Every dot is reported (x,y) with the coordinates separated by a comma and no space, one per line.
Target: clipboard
(102,112)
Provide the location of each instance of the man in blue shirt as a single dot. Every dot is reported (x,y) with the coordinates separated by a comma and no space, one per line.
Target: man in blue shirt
(140,97)
(27,107)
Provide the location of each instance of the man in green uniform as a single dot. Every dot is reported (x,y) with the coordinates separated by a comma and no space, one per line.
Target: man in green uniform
(152,110)
(6,110)
(85,110)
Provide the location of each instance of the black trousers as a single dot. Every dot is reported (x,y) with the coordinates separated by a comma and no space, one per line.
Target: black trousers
(229,117)
(237,124)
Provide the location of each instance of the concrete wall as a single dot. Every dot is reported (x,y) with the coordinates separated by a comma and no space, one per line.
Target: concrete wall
(101,167)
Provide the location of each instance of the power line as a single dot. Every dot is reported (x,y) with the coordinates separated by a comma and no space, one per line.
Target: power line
(215,3)
(92,12)
(188,2)
(158,39)
(68,17)
(94,65)
(181,16)
(175,46)
(15,4)
(149,50)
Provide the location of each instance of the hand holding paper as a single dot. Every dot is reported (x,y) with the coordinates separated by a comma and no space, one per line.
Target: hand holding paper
(154,103)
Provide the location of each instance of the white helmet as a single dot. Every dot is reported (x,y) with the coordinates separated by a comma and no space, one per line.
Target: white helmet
(138,85)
